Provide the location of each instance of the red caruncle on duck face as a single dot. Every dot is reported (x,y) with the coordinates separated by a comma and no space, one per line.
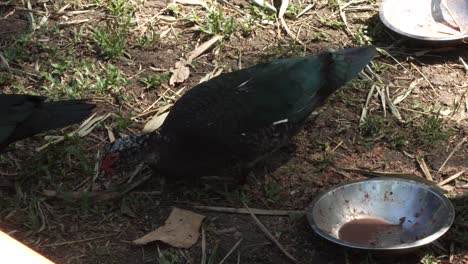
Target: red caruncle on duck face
(108,164)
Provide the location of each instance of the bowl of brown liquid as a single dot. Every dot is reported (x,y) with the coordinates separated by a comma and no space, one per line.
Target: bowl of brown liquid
(381,214)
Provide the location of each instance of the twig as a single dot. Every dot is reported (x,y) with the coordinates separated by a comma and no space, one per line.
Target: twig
(185,256)
(347,175)
(425,170)
(452,251)
(73,22)
(465,65)
(393,109)
(451,178)
(422,74)
(284,6)
(231,250)
(362,120)
(245,211)
(455,149)
(75,241)
(402,97)
(138,168)
(307,8)
(269,235)
(382,99)
(203,246)
(345,21)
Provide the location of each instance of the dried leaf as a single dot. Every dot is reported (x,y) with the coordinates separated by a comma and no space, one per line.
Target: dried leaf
(211,74)
(403,96)
(202,48)
(180,72)
(155,122)
(180,230)
(110,134)
(4,63)
(362,120)
(85,128)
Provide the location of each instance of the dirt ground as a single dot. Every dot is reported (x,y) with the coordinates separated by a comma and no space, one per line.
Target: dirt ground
(434,120)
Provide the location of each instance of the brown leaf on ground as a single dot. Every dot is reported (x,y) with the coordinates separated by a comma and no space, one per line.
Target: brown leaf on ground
(180,230)
(180,72)
(155,122)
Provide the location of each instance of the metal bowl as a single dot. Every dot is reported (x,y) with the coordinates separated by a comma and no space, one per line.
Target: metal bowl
(427,19)
(415,214)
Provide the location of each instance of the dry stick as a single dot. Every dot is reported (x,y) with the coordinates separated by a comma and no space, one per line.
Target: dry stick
(345,174)
(290,34)
(231,250)
(345,21)
(393,109)
(452,251)
(422,74)
(465,65)
(245,211)
(422,164)
(307,8)
(73,22)
(185,256)
(382,99)
(76,241)
(451,178)
(269,235)
(203,246)
(366,105)
(455,149)
(138,168)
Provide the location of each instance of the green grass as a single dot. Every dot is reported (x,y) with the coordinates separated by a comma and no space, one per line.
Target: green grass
(373,126)
(321,36)
(154,80)
(72,77)
(432,130)
(294,8)
(261,13)
(429,259)
(121,123)
(118,8)
(173,9)
(19,49)
(111,39)
(147,40)
(273,192)
(247,25)
(361,37)
(168,256)
(215,21)
(333,24)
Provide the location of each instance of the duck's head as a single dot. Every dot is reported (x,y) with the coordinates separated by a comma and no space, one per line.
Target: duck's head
(127,152)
